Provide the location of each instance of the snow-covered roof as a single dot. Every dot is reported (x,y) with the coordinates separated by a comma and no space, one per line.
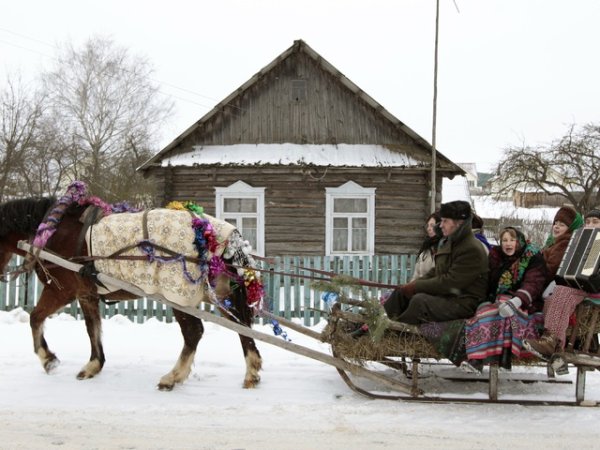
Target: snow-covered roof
(357,155)
(456,188)
(470,168)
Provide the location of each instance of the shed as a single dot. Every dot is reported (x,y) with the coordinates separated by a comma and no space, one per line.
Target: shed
(305,163)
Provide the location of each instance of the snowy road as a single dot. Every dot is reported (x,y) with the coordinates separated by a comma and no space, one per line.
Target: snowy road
(300,404)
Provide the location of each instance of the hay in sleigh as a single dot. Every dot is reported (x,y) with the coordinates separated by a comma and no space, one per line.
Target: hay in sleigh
(381,338)
(345,344)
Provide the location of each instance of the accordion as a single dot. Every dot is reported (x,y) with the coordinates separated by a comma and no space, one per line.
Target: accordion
(580,266)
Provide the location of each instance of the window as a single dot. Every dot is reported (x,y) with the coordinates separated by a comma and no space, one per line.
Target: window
(243,206)
(350,220)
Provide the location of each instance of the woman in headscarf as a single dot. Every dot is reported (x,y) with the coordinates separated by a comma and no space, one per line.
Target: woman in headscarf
(559,307)
(565,222)
(425,258)
(517,278)
(490,335)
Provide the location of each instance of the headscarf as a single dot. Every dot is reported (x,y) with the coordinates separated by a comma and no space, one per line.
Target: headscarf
(509,275)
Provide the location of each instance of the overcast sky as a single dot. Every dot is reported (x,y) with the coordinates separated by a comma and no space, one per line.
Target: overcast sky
(510,71)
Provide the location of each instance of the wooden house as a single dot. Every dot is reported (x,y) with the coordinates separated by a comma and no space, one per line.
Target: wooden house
(534,195)
(305,163)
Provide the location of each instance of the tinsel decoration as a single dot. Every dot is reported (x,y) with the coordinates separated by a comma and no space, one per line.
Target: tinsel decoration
(193,207)
(199,226)
(329,298)
(121,207)
(96,201)
(76,191)
(278,331)
(147,247)
(176,205)
(216,267)
(206,240)
(254,288)
(107,209)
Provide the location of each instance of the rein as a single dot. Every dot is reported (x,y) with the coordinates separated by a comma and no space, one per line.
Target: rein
(329,274)
(25,267)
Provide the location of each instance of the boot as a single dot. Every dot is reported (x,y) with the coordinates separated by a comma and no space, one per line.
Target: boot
(544,347)
(472,366)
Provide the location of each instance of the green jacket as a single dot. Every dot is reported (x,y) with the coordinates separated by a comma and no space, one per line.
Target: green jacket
(461,269)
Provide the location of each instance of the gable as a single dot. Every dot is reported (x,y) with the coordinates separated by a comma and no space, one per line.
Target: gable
(301,99)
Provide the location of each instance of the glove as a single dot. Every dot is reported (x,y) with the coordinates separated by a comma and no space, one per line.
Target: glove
(408,289)
(549,290)
(509,307)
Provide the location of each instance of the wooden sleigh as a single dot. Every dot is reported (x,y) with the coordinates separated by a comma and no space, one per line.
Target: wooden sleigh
(392,374)
(404,349)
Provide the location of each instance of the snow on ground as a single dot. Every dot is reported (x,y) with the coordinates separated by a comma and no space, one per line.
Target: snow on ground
(300,403)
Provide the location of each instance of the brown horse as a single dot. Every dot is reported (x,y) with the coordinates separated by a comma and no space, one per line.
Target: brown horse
(19,220)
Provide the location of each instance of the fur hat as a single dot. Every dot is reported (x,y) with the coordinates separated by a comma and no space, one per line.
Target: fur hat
(456,210)
(566,215)
(593,213)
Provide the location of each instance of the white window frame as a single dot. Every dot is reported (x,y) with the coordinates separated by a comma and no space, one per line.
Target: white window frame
(239,189)
(349,189)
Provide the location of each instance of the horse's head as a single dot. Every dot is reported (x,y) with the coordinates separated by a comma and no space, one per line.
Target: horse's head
(19,220)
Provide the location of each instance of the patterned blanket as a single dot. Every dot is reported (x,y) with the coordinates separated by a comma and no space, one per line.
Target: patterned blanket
(168,228)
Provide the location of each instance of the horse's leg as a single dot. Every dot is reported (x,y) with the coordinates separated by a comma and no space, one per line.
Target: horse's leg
(93,324)
(243,313)
(192,330)
(253,362)
(50,301)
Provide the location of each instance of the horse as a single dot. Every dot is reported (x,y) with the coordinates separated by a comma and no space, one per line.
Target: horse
(20,219)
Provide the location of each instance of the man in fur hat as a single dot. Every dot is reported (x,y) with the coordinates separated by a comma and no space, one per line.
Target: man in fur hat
(456,285)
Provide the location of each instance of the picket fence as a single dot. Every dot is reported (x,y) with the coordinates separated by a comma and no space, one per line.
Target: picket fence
(289,290)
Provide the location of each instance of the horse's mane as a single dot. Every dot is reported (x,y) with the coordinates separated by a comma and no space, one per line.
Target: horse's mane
(24,215)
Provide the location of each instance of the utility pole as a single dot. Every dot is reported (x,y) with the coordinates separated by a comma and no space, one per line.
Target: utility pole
(435,70)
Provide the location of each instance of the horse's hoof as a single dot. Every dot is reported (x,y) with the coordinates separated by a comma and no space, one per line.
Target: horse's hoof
(83,375)
(165,387)
(51,365)
(251,384)
(90,370)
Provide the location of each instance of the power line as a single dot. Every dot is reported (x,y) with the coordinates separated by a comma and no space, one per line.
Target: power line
(159,82)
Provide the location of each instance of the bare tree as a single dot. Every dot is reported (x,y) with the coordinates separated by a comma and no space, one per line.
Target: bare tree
(20,114)
(568,167)
(104,100)
(46,163)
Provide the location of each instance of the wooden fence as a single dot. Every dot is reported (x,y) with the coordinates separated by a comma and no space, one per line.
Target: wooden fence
(286,293)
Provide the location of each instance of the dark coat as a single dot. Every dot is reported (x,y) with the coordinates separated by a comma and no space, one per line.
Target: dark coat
(461,269)
(530,286)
